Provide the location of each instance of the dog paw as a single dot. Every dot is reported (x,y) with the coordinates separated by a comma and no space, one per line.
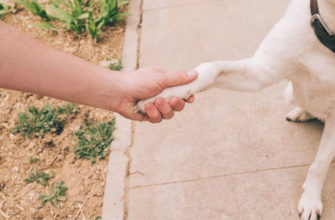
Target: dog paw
(299,115)
(207,73)
(310,206)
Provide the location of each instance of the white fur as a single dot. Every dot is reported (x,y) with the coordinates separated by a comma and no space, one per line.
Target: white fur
(291,51)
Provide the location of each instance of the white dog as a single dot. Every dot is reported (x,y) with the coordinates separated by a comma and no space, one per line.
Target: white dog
(291,51)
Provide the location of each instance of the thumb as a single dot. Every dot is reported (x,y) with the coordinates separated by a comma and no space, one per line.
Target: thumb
(178,78)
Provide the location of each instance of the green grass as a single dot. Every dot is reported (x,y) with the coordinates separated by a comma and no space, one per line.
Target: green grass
(95,218)
(88,16)
(36,8)
(80,16)
(39,177)
(34,160)
(72,13)
(37,123)
(3,10)
(109,14)
(56,194)
(68,109)
(116,66)
(94,139)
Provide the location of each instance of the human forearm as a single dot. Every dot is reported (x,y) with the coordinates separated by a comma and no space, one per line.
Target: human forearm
(28,65)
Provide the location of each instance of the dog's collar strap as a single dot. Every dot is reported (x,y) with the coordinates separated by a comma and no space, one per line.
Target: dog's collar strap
(325,36)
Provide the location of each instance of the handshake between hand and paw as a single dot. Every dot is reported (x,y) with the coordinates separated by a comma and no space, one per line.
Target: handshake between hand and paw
(174,89)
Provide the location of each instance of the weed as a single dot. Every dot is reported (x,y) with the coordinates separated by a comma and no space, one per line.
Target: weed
(44,26)
(96,217)
(94,140)
(83,16)
(72,13)
(109,15)
(56,194)
(3,10)
(39,122)
(110,11)
(39,177)
(34,160)
(69,109)
(35,7)
(116,66)
(80,16)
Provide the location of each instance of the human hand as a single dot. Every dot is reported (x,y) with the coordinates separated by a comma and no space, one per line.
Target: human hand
(146,83)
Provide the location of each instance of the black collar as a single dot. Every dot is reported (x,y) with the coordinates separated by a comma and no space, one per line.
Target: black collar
(321,30)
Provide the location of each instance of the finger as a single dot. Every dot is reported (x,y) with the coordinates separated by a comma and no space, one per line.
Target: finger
(131,114)
(190,99)
(177,104)
(165,109)
(154,116)
(178,78)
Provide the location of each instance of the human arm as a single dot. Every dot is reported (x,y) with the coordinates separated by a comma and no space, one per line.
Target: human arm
(28,65)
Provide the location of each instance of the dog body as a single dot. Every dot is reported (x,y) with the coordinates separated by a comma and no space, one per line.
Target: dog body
(291,51)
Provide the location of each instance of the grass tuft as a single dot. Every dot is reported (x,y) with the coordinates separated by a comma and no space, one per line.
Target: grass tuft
(39,177)
(36,8)
(37,123)
(80,16)
(116,66)
(94,139)
(3,10)
(56,194)
(34,160)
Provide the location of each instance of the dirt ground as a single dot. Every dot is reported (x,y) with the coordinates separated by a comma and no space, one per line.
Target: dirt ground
(85,182)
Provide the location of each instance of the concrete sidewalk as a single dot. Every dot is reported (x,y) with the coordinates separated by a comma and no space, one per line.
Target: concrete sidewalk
(229,155)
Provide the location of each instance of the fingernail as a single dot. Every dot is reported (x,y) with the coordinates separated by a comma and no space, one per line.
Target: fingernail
(192,73)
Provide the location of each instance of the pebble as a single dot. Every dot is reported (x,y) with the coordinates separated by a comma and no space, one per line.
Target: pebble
(15,169)
(11,136)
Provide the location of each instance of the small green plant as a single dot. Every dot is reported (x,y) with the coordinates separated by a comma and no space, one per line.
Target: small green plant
(37,123)
(93,25)
(69,109)
(110,11)
(109,15)
(72,13)
(96,217)
(36,8)
(94,139)
(3,10)
(80,16)
(116,66)
(34,160)
(56,194)
(39,177)
(84,16)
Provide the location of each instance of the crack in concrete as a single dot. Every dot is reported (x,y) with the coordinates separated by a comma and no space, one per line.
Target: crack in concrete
(219,176)
(139,31)
(126,183)
(127,152)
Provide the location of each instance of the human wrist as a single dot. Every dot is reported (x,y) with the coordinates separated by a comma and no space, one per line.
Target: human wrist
(107,91)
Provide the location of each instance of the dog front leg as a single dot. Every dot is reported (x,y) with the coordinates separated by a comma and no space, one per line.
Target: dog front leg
(249,75)
(242,75)
(310,204)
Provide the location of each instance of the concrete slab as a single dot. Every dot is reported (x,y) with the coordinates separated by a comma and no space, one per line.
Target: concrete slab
(223,132)
(114,204)
(230,155)
(265,195)
(160,4)
(180,38)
